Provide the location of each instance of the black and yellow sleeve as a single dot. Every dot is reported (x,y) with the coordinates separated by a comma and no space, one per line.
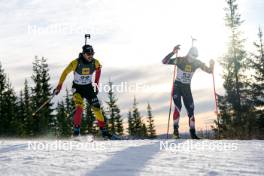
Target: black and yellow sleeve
(97,64)
(71,67)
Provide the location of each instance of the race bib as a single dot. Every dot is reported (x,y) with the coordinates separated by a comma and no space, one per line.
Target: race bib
(183,76)
(82,79)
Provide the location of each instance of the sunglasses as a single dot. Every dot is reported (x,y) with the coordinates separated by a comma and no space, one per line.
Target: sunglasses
(88,54)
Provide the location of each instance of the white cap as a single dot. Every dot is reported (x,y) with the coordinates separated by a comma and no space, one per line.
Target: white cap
(193,53)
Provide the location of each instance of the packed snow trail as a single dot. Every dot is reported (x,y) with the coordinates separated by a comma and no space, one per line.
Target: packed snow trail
(132,157)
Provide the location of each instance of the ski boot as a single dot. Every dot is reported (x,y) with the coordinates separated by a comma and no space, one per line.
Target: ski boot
(175,134)
(76,131)
(193,134)
(107,135)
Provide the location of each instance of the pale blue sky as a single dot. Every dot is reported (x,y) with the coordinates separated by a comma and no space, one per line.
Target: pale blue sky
(130,39)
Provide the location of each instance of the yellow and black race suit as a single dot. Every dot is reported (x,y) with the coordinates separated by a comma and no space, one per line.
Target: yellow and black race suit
(82,86)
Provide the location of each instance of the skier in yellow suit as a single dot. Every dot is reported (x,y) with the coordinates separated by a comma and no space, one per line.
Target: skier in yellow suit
(83,68)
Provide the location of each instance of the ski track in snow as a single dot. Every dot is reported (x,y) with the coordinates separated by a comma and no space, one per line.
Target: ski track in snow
(133,157)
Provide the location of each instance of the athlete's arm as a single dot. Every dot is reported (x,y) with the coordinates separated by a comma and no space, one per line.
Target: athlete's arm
(168,59)
(71,67)
(98,68)
(207,69)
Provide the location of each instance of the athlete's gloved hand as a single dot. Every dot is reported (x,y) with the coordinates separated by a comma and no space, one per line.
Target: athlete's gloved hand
(212,63)
(176,49)
(57,90)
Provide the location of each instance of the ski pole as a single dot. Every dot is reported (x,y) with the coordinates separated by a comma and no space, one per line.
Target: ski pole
(216,104)
(44,104)
(168,127)
(172,89)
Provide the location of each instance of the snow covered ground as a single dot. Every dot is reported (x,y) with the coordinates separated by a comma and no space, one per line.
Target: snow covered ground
(131,157)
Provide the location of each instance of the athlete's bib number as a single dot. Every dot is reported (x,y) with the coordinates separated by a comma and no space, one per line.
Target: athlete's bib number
(184,77)
(82,79)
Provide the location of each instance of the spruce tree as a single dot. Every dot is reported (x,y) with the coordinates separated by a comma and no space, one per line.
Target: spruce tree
(235,106)
(63,126)
(10,119)
(21,115)
(2,90)
(43,122)
(257,85)
(2,79)
(65,111)
(70,109)
(69,103)
(234,60)
(257,64)
(130,120)
(105,117)
(144,131)
(151,126)
(11,126)
(115,120)
(64,116)
(111,109)
(119,123)
(136,119)
(39,122)
(46,94)
(91,128)
(28,119)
